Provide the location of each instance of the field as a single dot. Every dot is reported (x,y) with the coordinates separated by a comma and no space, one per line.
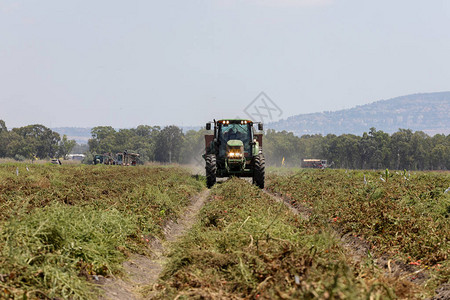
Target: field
(312,234)
(59,225)
(400,217)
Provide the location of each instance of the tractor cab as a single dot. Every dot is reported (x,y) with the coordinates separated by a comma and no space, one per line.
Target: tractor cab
(235,132)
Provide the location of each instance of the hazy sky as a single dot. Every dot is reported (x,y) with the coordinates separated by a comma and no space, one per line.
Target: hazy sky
(126,63)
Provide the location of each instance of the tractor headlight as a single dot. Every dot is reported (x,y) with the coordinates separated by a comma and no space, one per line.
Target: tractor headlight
(234,153)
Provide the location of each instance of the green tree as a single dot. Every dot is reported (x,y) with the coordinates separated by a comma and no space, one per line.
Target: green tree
(312,145)
(40,140)
(438,157)
(440,152)
(102,132)
(420,149)
(381,156)
(279,145)
(402,157)
(169,144)
(16,145)
(367,148)
(347,152)
(103,139)
(65,146)
(144,141)
(3,138)
(3,126)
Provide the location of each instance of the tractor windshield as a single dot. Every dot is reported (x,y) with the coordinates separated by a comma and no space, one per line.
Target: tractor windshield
(229,132)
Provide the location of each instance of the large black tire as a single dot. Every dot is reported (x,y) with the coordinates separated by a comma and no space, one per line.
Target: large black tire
(259,170)
(211,168)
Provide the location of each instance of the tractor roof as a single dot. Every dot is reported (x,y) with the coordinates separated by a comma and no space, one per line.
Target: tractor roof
(234,121)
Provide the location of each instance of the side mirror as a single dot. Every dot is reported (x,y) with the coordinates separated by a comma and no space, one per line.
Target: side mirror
(208,126)
(260,127)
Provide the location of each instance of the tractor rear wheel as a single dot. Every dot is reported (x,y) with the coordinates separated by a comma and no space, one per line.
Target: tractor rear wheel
(211,168)
(259,170)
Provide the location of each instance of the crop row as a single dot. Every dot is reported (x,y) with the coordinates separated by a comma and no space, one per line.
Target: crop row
(247,245)
(404,216)
(61,225)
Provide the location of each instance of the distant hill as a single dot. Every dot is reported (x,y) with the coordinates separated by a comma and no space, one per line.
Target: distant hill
(428,112)
(425,112)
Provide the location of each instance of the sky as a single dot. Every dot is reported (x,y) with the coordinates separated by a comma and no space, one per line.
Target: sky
(126,63)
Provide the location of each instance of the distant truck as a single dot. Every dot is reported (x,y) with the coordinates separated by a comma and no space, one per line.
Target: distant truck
(127,159)
(105,159)
(122,159)
(76,156)
(56,161)
(98,159)
(314,163)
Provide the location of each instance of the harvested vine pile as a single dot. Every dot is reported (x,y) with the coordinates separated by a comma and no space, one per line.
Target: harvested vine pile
(61,226)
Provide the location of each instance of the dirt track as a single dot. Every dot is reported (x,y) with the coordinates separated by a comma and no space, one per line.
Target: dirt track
(144,271)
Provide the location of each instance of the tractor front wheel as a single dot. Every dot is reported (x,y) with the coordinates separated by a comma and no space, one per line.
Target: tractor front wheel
(259,170)
(211,168)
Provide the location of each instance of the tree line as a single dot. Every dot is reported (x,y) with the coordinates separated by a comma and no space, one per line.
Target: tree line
(33,142)
(375,149)
(403,149)
(153,143)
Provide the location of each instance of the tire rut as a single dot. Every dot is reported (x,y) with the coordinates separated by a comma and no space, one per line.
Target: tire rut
(144,271)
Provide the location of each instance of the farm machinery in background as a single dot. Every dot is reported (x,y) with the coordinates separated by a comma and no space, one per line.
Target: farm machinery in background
(127,158)
(314,163)
(105,159)
(234,149)
(122,158)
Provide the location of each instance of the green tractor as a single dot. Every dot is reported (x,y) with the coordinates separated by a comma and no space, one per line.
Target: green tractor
(234,149)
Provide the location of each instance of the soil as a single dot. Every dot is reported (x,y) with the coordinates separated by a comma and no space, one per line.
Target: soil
(303,211)
(442,293)
(144,271)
